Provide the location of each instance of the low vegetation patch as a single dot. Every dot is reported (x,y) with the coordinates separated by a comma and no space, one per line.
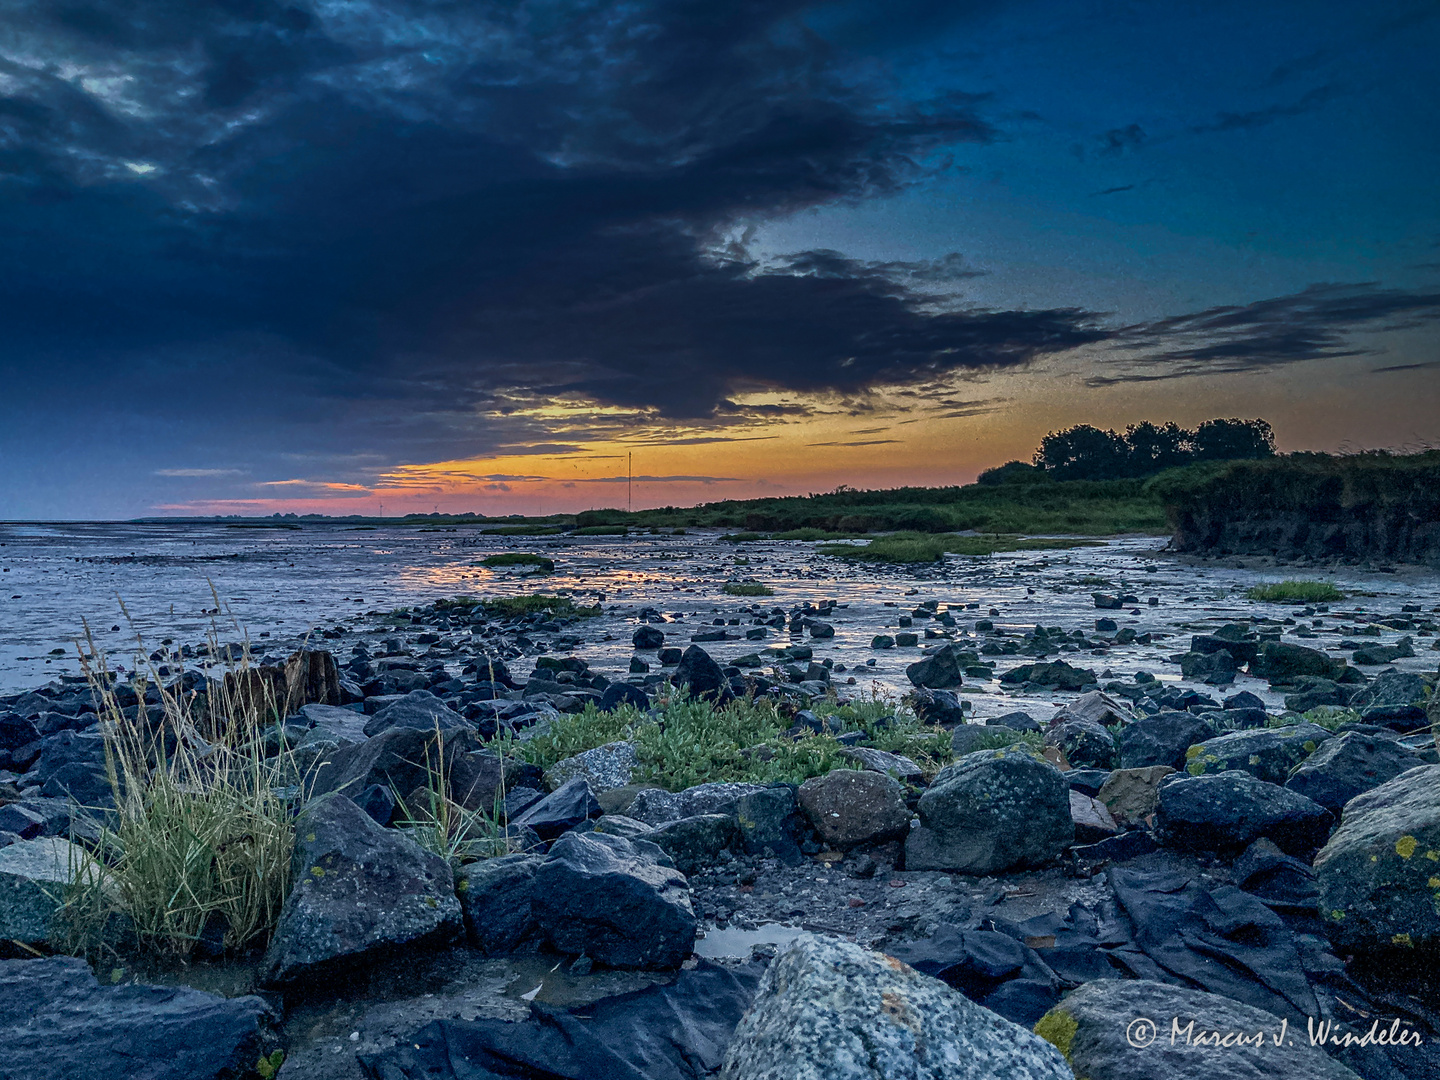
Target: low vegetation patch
(536,603)
(922,548)
(523,530)
(746,588)
(600,530)
(1309,592)
(519,558)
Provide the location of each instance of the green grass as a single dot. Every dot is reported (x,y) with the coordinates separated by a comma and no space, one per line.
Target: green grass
(922,548)
(519,558)
(813,534)
(1309,592)
(523,530)
(535,603)
(600,530)
(746,588)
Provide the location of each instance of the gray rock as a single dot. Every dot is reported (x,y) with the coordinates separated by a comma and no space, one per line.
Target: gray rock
(1097,707)
(605,767)
(771,823)
(1379,875)
(882,761)
(990,811)
(495,896)
(1094,1025)
(1228,811)
(1391,688)
(939,669)
(400,758)
(693,843)
(1085,743)
(1266,753)
(58,1023)
(647,637)
(418,709)
(1281,662)
(1162,739)
(330,723)
(72,765)
(830,1010)
(700,675)
(1093,821)
(1351,763)
(850,806)
(360,891)
(569,805)
(621,825)
(655,806)
(34,877)
(604,897)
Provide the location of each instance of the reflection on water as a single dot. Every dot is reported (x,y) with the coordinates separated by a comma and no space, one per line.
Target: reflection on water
(734,943)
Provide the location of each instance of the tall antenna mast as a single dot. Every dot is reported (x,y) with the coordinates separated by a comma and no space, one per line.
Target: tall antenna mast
(629,479)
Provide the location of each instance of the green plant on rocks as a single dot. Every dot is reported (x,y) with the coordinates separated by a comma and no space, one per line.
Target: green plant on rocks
(746,588)
(1307,592)
(519,558)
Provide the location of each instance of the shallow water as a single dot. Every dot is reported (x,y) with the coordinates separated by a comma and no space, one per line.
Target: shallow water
(278,585)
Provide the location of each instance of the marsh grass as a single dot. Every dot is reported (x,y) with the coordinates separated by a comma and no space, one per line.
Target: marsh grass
(746,588)
(1308,592)
(926,547)
(443,826)
(533,604)
(201,829)
(600,530)
(519,558)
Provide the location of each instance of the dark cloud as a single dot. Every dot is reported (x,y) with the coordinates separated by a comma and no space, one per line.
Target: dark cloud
(1234,121)
(1121,140)
(857,442)
(1114,190)
(366,224)
(1315,324)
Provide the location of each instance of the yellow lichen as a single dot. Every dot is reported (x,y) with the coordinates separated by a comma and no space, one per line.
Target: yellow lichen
(1405,846)
(317,871)
(1402,939)
(1337,914)
(1058,1027)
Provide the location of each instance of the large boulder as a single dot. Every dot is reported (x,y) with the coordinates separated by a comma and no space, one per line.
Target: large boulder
(849,807)
(72,765)
(1162,739)
(495,895)
(939,669)
(606,767)
(569,805)
(1281,662)
(1266,753)
(399,758)
(700,675)
(647,637)
(1058,674)
(1132,795)
(882,761)
(418,709)
(360,891)
(1391,688)
(1097,707)
(610,899)
(990,811)
(1351,763)
(830,1010)
(655,806)
(34,877)
(693,843)
(1227,811)
(58,1023)
(1379,876)
(1116,1030)
(1086,744)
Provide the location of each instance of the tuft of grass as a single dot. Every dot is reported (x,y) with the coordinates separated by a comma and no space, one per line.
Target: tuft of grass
(536,603)
(519,558)
(202,825)
(600,530)
(924,547)
(746,588)
(1308,592)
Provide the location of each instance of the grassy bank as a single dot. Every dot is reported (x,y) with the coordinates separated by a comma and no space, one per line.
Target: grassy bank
(924,547)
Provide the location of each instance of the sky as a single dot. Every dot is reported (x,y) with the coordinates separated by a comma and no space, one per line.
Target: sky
(398,256)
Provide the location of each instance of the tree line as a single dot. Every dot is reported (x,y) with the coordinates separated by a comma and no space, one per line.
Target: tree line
(1084,452)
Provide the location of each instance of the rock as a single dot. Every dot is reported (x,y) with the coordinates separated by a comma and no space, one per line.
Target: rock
(1097,707)
(1379,875)
(1093,821)
(1267,753)
(938,670)
(606,767)
(418,709)
(1281,881)
(311,676)
(1374,655)
(569,805)
(1084,743)
(1132,795)
(1281,662)
(966,738)
(1019,721)
(1059,674)
(1095,1028)
(700,675)
(1227,811)
(988,967)
(771,823)
(34,876)
(378,802)
(72,765)
(620,825)
(332,724)
(938,707)
(603,897)
(655,806)
(849,807)
(619,693)
(647,637)
(692,843)
(882,641)
(1162,739)
(1391,688)
(882,761)
(360,892)
(495,897)
(1241,650)
(821,630)
(58,1023)
(990,811)
(1315,692)
(400,758)
(21,822)
(1213,668)
(830,1010)
(1348,764)
(1086,781)
(1107,602)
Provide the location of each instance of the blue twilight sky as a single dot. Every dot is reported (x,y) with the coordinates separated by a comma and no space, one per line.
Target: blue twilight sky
(326,254)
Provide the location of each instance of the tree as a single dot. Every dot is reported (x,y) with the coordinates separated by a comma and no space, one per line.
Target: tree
(1231,440)
(1083,452)
(1155,448)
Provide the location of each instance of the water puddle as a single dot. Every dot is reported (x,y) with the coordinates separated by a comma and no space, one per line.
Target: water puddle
(735,944)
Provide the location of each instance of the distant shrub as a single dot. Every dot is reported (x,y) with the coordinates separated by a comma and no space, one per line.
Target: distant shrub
(1309,592)
(746,588)
(519,558)
(534,604)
